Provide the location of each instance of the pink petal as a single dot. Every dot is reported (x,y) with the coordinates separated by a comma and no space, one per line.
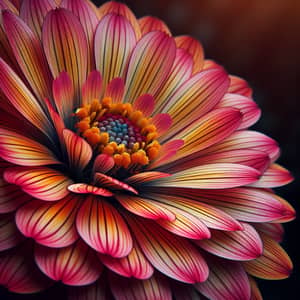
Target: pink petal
(9,233)
(74,265)
(148,24)
(33,12)
(194,48)
(66,47)
(162,122)
(145,207)
(91,89)
(274,176)
(79,151)
(19,273)
(23,151)
(134,265)
(273,230)
(83,188)
(102,227)
(156,287)
(173,256)
(145,103)
(113,43)
(239,86)
(144,177)
(49,224)
(226,280)
(8,5)
(41,182)
(210,64)
(115,90)
(235,245)
(103,163)
(149,64)
(29,54)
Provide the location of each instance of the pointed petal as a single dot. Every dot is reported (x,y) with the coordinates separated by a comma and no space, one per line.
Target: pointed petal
(162,122)
(156,287)
(149,64)
(274,176)
(42,183)
(66,47)
(115,90)
(73,265)
(49,224)
(168,253)
(255,292)
(273,264)
(239,86)
(91,89)
(8,5)
(22,99)
(79,151)
(83,188)
(103,163)
(145,207)
(149,23)
(194,48)
(210,176)
(145,103)
(114,41)
(29,54)
(134,265)
(102,227)
(9,233)
(33,12)
(19,273)
(226,280)
(23,151)
(273,230)
(238,245)
(144,177)
(210,64)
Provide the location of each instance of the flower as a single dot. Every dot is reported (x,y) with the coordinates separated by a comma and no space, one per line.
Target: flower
(127,167)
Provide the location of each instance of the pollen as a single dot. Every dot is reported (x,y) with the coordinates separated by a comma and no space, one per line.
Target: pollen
(118,130)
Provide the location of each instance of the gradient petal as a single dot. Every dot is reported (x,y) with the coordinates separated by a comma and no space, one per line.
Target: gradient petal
(8,5)
(145,103)
(91,89)
(239,86)
(83,188)
(144,177)
(73,265)
(102,227)
(238,245)
(168,253)
(103,163)
(115,90)
(51,225)
(273,230)
(42,183)
(149,23)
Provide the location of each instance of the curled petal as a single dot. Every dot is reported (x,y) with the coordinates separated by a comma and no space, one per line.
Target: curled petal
(42,183)
(102,227)
(238,245)
(145,103)
(74,265)
(239,86)
(91,89)
(83,188)
(274,263)
(49,224)
(148,24)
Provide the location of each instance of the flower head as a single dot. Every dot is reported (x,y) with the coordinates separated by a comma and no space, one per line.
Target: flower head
(127,167)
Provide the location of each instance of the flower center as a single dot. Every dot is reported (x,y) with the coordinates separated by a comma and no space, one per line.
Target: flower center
(118,130)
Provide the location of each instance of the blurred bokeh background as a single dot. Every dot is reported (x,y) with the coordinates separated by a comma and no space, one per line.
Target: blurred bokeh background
(258,40)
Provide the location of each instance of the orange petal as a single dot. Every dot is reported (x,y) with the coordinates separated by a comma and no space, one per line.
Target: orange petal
(144,177)
(83,188)
(149,23)
(239,86)
(273,230)
(255,292)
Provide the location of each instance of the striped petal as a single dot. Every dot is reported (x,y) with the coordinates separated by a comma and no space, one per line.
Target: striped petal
(23,151)
(156,287)
(33,12)
(173,256)
(115,90)
(149,23)
(52,225)
(273,264)
(194,48)
(79,151)
(194,98)
(114,41)
(226,280)
(239,86)
(149,64)
(144,177)
(9,234)
(91,89)
(134,265)
(7,4)
(22,99)
(274,176)
(162,122)
(83,188)
(145,103)
(210,64)
(19,273)
(29,53)
(145,207)
(249,109)
(102,227)
(74,265)
(238,245)
(210,176)
(66,47)
(42,183)
(103,163)
(273,230)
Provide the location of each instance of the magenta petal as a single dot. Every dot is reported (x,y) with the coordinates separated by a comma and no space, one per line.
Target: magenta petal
(103,163)
(145,103)
(83,188)
(115,90)
(91,89)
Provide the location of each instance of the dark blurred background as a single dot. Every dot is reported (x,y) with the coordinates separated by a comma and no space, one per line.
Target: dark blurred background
(258,40)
